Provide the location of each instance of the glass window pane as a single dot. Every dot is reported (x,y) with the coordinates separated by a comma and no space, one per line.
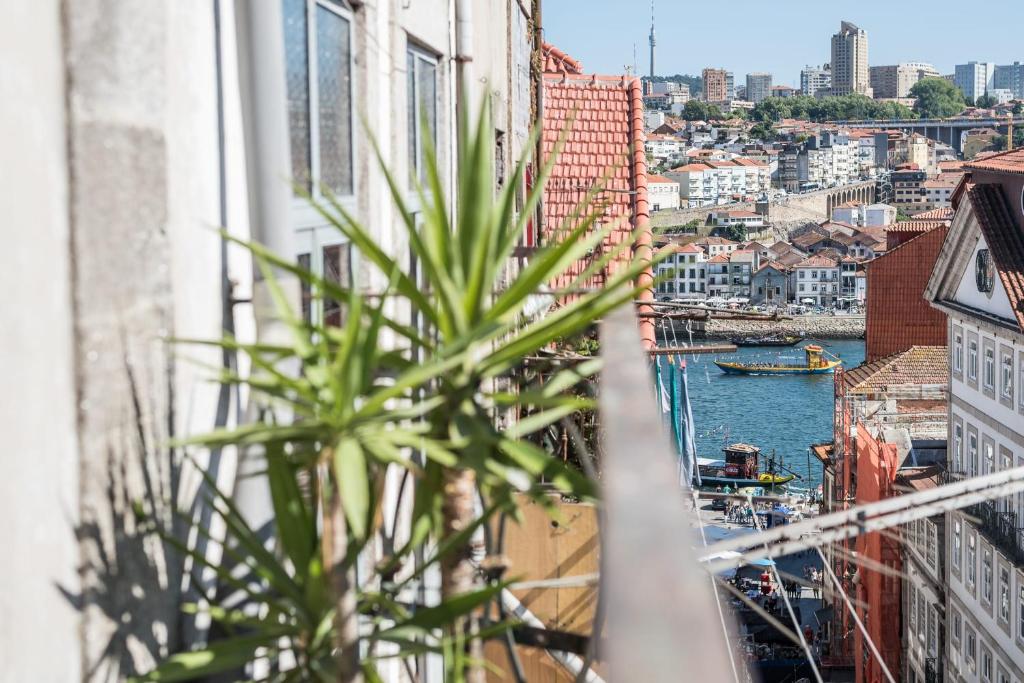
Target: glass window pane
(410,65)
(297,75)
(307,292)
(334,95)
(336,269)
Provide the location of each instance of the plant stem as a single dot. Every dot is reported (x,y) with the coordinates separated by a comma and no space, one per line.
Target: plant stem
(343,585)
(458,575)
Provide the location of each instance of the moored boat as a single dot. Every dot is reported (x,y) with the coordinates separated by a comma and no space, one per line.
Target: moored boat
(740,469)
(771,340)
(816,364)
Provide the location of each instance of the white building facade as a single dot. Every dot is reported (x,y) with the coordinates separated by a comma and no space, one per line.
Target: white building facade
(976,282)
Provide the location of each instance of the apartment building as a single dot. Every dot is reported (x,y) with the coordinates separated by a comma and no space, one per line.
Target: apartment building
(816,280)
(684,275)
(850,61)
(759,87)
(895,81)
(978,282)
(908,189)
(662,193)
(717,87)
(824,160)
(974,78)
(147,123)
(815,81)
(708,182)
(1010,77)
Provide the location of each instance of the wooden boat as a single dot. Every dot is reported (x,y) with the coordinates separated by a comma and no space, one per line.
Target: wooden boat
(740,469)
(772,340)
(816,364)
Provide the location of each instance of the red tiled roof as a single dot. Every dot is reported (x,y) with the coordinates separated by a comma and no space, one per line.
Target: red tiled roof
(917,365)
(777,265)
(558,62)
(660,179)
(944,213)
(817,261)
(898,316)
(691,168)
(603,116)
(715,239)
(690,249)
(1005,241)
(1002,162)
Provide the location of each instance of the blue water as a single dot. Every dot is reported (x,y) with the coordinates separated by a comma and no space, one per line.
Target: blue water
(785,413)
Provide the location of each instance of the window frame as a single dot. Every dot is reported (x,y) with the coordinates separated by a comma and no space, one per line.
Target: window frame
(972,361)
(417,53)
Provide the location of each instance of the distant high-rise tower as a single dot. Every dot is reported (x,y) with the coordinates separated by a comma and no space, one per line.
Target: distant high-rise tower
(850,61)
(652,39)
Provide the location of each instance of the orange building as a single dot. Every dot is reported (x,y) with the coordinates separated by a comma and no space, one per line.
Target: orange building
(889,414)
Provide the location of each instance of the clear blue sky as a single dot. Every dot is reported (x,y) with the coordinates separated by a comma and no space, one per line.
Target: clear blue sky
(781,36)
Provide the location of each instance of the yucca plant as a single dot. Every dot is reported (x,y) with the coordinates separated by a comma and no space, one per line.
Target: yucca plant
(352,410)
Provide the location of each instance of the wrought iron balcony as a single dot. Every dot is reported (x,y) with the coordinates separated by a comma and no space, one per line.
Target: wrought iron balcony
(932,670)
(999,527)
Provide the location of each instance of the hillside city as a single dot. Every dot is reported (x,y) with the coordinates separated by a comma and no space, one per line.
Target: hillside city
(387,342)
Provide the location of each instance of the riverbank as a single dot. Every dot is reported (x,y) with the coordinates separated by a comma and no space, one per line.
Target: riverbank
(815,326)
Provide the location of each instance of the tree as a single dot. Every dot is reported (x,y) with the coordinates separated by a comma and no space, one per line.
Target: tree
(763,131)
(999,141)
(736,232)
(937,98)
(986,101)
(1018,108)
(695,110)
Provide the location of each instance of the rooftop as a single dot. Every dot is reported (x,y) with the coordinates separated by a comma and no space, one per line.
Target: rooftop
(817,261)
(1004,239)
(1001,162)
(918,365)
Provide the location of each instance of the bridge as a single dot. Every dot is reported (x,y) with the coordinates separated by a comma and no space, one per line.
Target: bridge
(947,131)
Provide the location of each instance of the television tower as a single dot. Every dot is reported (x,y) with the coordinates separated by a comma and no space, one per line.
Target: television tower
(652,39)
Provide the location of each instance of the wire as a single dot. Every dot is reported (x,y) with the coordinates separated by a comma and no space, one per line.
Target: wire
(785,600)
(714,588)
(853,612)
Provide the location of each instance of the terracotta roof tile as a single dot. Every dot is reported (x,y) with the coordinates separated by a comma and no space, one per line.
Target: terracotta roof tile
(1003,162)
(944,213)
(556,61)
(917,365)
(602,115)
(660,179)
(1005,241)
(817,261)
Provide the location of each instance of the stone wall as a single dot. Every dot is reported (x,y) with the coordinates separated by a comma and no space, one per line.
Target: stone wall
(819,326)
(790,212)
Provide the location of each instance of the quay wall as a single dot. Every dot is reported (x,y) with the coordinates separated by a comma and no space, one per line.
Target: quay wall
(819,326)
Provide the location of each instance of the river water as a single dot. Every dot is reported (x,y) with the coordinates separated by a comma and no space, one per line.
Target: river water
(784,413)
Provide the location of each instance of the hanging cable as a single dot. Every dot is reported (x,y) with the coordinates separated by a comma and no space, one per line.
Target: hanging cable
(718,597)
(853,613)
(785,600)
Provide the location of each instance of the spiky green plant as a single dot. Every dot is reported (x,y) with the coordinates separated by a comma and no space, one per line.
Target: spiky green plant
(357,410)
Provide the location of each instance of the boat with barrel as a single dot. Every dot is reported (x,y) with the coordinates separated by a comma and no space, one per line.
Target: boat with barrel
(816,364)
(769,340)
(740,468)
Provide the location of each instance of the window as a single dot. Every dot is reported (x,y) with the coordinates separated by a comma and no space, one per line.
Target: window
(990,369)
(989,458)
(933,631)
(971,651)
(972,561)
(1006,386)
(972,360)
(1004,594)
(1020,609)
(802,274)
(986,665)
(958,352)
(956,630)
(972,454)
(986,576)
(930,532)
(336,268)
(912,608)
(318,68)
(958,448)
(957,540)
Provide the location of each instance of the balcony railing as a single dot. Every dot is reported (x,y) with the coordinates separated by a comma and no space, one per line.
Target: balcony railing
(1000,528)
(932,670)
